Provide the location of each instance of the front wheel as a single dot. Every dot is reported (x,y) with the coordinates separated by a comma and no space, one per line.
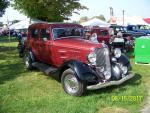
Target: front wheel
(71,84)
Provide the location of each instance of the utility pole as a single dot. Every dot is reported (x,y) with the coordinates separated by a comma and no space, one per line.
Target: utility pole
(111,14)
(123,17)
(111,11)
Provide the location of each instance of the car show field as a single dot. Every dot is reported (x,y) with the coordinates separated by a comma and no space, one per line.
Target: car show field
(74,56)
(24,91)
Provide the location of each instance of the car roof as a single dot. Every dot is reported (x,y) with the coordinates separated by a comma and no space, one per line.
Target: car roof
(55,24)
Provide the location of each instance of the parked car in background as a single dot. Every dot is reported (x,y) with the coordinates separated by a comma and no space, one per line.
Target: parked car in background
(103,35)
(128,36)
(61,49)
(126,32)
(144,28)
(139,28)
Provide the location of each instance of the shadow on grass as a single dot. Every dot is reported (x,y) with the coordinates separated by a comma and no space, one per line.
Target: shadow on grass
(10,71)
(10,65)
(7,49)
(135,81)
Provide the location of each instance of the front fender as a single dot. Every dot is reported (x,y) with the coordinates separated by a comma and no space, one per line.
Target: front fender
(82,71)
(124,60)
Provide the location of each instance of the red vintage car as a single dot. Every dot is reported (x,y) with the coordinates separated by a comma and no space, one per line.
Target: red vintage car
(60,49)
(102,34)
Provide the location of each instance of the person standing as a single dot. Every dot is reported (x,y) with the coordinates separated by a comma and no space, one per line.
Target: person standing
(94,38)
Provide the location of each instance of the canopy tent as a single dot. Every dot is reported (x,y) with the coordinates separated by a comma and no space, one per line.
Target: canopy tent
(95,22)
(23,24)
(133,20)
(136,21)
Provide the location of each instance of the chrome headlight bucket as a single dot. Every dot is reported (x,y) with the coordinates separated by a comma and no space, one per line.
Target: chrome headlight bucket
(92,58)
(117,52)
(107,75)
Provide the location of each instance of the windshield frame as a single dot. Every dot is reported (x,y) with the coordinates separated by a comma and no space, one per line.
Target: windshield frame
(145,27)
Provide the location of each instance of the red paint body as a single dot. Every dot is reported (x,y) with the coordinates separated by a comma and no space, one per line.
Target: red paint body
(56,52)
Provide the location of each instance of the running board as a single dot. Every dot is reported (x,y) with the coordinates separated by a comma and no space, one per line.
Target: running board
(44,68)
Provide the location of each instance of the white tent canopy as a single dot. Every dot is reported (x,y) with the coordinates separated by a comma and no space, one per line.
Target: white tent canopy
(23,24)
(95,22)
(136,21)
(133,20)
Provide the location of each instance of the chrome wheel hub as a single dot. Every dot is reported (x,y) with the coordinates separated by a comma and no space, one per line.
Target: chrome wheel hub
(27,61)
(71,83)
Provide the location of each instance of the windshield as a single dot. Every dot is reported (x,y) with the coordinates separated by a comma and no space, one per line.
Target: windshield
(67,32)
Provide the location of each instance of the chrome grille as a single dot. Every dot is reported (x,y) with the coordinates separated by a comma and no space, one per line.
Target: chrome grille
(103,60)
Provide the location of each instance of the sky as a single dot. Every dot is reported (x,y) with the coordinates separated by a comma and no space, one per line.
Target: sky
(96,7)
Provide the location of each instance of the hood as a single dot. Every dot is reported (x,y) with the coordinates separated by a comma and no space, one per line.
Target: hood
(137,33)
(78,43)
(133,33)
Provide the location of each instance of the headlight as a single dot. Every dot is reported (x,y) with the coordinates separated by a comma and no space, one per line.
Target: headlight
(117,52)
(92,58)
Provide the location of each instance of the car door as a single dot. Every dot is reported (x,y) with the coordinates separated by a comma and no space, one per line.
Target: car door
(45,45)
(34,42)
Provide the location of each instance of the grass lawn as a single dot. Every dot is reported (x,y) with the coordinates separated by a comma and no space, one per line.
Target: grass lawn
(23,91)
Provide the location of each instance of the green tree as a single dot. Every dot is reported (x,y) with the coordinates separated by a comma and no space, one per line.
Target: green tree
(3,5)
(48,10)
(101,17)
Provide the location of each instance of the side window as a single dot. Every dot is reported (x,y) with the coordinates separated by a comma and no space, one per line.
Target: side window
(45,34)
(34,33)
(129,28)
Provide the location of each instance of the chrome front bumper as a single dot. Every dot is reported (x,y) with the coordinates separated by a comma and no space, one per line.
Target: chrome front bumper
(110,83)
